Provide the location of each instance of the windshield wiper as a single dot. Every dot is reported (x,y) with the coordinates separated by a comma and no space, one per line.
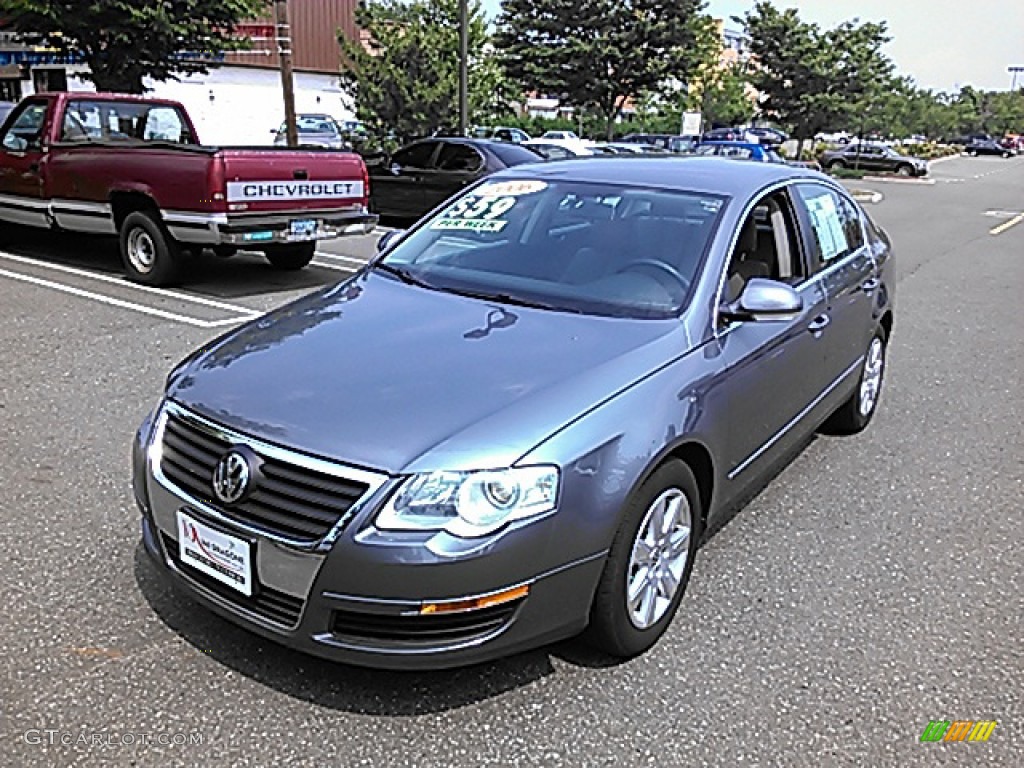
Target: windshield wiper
(508,298)
(404,275)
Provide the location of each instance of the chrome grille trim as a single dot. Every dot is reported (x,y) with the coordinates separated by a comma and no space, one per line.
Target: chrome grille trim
(289,458)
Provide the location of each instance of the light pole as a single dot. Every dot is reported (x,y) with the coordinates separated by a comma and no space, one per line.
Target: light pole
(1013,71)
(463,67)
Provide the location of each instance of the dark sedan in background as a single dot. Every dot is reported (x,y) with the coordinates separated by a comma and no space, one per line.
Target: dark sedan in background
(422,175)
(873,157)
(977,147)
(517,424)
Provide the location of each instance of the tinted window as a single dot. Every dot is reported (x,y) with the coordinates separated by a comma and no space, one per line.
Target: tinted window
(459,157)
(513,154)
(415,155)
(27,127)
(602,249)
(834,220)
(551,151)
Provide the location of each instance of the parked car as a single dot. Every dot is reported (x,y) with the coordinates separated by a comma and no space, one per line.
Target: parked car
(519,421)
(560,149)
(771,137)
(987,147)
(834,137)
(969,138)
(133,166)
(514,135)
(874,157)
(635,148)
(722,134)
(673,143)
(560,135)
(314,131)
(740,150)
(424,174)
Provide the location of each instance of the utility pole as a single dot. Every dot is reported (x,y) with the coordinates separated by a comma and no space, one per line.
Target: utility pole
(463,67)
(284,53)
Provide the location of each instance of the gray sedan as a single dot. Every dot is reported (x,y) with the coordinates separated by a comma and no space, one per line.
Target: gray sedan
(518,423)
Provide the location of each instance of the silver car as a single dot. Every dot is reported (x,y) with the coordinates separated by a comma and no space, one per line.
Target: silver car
(518,422)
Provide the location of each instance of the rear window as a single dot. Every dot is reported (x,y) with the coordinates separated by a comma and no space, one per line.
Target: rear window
(87,120)
(513,154)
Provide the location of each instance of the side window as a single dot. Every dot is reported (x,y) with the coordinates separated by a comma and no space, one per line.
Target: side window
(767,246)
(27,128)
(164,124)
(415,156)
(834,222)
(459,157)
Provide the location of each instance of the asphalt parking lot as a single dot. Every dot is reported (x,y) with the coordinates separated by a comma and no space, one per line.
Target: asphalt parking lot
(875,585)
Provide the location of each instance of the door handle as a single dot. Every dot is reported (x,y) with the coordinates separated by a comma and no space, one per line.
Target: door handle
(869,285)
(819,324)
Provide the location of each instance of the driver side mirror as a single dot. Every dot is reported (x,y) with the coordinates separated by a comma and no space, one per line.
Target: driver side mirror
(388,239)
(765,300)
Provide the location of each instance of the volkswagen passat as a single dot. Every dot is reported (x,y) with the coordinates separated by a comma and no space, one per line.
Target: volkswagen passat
(517,422)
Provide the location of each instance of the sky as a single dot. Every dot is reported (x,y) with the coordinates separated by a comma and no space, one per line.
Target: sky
(942,44)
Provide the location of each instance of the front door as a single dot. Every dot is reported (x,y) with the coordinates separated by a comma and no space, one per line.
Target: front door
(456,166)
(21,159)
(398,188)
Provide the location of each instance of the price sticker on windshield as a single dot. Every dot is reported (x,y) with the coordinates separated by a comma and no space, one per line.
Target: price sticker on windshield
(476,213)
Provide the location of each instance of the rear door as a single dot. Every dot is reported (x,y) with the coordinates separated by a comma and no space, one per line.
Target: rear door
(398,185)
(457,165)
(21,161)
(845,268)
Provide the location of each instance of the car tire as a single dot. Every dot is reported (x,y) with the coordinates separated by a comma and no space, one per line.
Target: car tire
(972,153)
(836,165)
(617,627)
(855,414)
(291,257)
(905,170)
(149,253)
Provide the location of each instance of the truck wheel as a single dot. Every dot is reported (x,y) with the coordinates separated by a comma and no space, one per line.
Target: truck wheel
(291,257)
(149,253)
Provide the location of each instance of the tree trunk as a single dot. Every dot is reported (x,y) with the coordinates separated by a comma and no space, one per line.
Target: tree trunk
(799,149)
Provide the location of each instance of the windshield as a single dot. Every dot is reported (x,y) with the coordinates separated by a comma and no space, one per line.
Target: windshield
(601,249)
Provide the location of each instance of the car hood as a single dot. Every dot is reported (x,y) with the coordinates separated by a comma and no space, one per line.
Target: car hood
(399,378)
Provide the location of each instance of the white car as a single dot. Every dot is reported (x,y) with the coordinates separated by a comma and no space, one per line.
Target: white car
(837,137)
(561,136)
(560,149)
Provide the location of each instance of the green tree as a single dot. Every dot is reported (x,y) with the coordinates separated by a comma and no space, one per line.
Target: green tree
(597,54)
(721,95)
(406,77)
(813,80)
(125,41)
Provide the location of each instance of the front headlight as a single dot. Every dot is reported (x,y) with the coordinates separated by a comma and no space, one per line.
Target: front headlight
(470,504)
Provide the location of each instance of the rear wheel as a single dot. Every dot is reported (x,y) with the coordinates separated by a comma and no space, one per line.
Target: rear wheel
(649,564)
(836,165)
(150,255)
(291,257)
(855,414)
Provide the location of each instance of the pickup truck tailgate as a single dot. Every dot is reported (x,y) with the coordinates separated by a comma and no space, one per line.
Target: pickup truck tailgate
(290,181)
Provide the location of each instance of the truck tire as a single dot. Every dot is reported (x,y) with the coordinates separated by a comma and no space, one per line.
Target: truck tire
(290,257)
(150,255)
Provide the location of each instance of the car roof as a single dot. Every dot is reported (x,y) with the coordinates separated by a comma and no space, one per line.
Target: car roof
(743,144)
(711,175)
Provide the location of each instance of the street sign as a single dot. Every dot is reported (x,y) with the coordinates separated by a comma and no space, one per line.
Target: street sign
(691,124)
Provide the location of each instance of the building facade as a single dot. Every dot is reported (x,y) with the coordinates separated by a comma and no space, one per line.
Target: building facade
(240,100)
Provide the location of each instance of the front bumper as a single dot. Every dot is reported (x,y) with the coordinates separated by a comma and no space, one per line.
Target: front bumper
(358,596)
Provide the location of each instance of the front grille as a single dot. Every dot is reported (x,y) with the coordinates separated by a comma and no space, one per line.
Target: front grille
(436,629)
(274,606)
(289,500)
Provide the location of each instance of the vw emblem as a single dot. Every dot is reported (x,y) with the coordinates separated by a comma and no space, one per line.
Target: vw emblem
(231,477)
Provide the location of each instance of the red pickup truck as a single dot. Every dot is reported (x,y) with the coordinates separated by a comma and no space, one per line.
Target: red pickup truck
(133,166)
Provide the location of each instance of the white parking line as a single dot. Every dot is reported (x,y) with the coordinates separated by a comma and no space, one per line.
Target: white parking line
(338,257)
(249,313)
(335,267)
(120,303)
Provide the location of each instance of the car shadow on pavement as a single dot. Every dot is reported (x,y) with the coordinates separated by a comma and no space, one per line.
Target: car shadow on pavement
(326,683)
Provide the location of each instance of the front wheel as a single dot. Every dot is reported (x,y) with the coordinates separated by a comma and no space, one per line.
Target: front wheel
(291,257)
(855,414)
(150,255)
(649,563)
(905,170)
(836,165)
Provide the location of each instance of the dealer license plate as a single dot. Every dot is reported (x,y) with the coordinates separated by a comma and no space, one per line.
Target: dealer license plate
(303,227)
(221,556)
